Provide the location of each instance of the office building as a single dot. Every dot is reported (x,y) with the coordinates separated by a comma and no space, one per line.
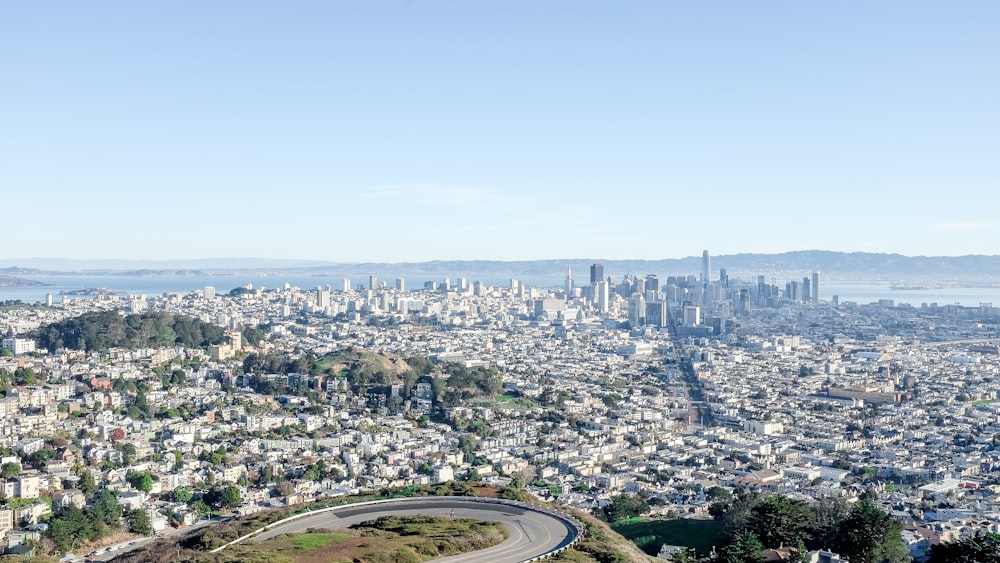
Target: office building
(601,288)
(568,285)
(656,313)
(706,267)
(815,287)
(652,283)
(636,310)
(372,281)
(400,284)
(596,273)
(692,315)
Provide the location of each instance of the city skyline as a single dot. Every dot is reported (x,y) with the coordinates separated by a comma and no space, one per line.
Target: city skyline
(411,132)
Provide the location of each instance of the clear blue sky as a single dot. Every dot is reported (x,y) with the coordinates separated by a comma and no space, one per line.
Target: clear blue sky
(415,130)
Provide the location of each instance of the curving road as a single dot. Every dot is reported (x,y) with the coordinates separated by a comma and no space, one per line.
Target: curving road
(532,532)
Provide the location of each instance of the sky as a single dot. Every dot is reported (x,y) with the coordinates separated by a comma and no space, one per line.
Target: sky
(392,131)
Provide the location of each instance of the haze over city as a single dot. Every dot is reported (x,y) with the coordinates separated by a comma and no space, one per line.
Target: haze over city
(409,131)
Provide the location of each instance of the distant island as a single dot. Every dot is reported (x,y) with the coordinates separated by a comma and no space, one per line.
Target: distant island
(11,281)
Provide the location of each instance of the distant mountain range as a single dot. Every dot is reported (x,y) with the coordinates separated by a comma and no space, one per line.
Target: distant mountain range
(833,265)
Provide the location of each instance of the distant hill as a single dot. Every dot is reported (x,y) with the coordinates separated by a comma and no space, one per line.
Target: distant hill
(833,265)
(100,330)
(11,281)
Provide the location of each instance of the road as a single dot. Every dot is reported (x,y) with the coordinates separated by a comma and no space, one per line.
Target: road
(110,552)
(532,532)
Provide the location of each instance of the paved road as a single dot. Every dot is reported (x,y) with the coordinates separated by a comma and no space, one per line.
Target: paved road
(532,533)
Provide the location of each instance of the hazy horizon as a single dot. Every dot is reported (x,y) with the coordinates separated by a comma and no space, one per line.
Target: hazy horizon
(252,260)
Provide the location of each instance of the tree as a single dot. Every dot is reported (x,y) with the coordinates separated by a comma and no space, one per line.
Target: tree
(140,480)
(828,513)
(778,520)
(106,509)
(200,507)
(717,493)
(182,494)
(71,526)
(734,513)
(745,548)
(25,376)
(10,469)
(128,454)
(87,483)
(138,522)
(625,506)
(869,535)
(982,548)
(223,497)
(41,457)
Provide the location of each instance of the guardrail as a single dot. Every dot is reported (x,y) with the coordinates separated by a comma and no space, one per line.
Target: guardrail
(576,524)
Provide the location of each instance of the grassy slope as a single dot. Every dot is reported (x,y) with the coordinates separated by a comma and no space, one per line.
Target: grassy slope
(601,544)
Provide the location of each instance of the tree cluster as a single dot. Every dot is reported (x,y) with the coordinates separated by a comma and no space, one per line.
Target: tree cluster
(982,548)
(622,507)
(458,385)
(863,533)
(98,331)
(72,526)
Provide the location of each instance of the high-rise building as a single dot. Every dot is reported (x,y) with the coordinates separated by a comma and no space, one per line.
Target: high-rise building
(793,291)
(652,282)
(815,287)
(601,288)
(568,286)
(372,281)
(347,284)
(400,284)
(806,287)
(636,310)
(596,273)
(322,297)
(706,267)
(209,292)
(656,313)
(743,305)
(723,278)
(692,315)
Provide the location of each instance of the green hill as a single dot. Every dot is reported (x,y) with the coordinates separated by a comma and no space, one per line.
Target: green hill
(98,331)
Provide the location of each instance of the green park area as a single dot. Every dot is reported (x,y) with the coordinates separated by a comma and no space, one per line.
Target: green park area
(651,534)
